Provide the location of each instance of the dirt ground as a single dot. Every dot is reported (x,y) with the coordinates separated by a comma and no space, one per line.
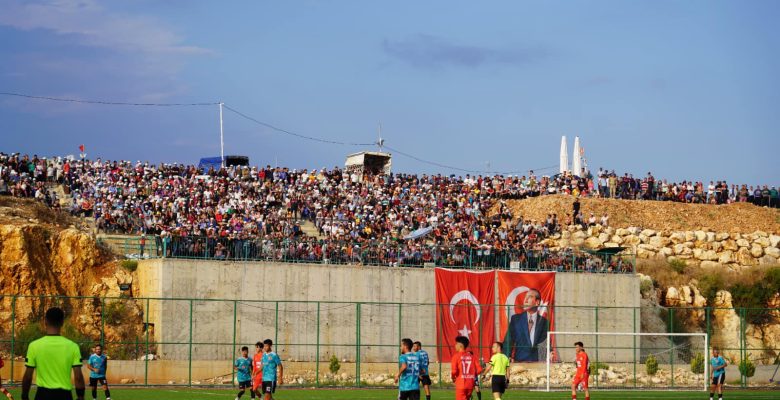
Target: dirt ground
(657,215)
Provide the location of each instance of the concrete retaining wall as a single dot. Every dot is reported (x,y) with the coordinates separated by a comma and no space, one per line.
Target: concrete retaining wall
(254,290)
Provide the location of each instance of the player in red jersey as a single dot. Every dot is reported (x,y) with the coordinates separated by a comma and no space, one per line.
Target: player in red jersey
(257,369)
(465,368)
(2,389)
(583,372)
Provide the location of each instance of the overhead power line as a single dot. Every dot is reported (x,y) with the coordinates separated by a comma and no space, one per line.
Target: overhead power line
(298,135)
(270,126)
(108,103)
(471,171)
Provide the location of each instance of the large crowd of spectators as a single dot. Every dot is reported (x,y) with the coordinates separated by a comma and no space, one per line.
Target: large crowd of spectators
(244,202)
(350,211)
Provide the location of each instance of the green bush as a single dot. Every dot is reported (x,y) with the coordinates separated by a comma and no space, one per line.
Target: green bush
(709,285)
(334,366)
(651,365)
(34,330)
(85,342)
(114,312)
(25,335)
(697,363)
(130,265)
(756,296)
(747,368)
(596,366)
(645,286)
(678,265)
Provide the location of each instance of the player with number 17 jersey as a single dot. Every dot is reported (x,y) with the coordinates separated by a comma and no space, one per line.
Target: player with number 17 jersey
(465,368)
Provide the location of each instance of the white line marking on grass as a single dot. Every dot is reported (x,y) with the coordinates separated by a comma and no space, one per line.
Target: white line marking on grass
(198,392)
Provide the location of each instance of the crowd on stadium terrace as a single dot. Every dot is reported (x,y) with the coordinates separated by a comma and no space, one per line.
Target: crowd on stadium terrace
(350,210)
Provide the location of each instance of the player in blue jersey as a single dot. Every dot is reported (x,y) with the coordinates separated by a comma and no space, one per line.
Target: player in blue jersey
(271,365)
(425,376)
(408,376)
(97,364)
(718,373)
(243,366)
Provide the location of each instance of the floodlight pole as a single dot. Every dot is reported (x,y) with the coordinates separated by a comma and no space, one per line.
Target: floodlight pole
(221,136)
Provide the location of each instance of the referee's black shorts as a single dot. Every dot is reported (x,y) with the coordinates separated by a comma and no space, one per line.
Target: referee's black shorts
(53,394)
(498,384)
(425,380)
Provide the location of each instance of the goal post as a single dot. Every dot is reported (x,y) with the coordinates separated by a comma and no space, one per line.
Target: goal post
(630,360)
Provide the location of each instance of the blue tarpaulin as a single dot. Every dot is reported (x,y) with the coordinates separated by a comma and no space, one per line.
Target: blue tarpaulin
(210,162)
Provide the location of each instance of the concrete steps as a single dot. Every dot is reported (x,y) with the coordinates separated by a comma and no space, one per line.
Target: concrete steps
(309,229)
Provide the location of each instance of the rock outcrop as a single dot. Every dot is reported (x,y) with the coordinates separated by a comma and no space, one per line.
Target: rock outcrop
(39,262)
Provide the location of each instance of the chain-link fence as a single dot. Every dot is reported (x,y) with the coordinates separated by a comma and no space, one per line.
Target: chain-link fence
(194,342)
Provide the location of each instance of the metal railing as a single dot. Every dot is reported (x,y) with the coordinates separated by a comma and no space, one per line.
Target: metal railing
(384,254)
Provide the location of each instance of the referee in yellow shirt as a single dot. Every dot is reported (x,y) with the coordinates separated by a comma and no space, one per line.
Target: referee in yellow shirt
(500,371)
(53,357)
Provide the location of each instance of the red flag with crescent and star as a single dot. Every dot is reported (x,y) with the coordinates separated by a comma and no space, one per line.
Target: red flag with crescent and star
(512,288)
(465,302)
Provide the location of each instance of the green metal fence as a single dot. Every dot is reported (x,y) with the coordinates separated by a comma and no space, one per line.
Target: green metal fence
(193,342)
(311,250)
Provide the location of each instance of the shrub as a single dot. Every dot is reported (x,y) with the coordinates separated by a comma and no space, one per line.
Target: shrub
(756,296)
(651,365)
(596,366)
(85,343)
(130,265)
(697,363)
(645,286)
(334,366)
(709,285)
(114,312)
(678,265)
(34,330)
(747,368)
(25,335)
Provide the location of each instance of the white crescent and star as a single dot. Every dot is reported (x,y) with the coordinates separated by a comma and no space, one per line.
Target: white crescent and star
(464,295)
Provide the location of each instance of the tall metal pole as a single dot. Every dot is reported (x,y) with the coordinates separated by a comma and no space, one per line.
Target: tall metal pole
(221,137)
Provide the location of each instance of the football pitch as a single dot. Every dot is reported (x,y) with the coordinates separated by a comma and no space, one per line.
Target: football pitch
(388,394)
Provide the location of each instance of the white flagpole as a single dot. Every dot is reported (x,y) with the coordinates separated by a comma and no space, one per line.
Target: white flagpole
(221,137)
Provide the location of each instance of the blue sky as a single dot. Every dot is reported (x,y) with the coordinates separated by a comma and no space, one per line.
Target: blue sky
(685,89)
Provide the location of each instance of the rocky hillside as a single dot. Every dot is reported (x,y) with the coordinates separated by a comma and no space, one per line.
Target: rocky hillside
(761,326)
(703,247)
(694,256)
(43,253)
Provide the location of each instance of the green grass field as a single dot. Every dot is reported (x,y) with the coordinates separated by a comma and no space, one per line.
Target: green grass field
(376,394)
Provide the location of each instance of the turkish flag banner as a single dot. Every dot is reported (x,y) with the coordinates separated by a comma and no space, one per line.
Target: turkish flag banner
(465,307)
(526,313)
(81,147)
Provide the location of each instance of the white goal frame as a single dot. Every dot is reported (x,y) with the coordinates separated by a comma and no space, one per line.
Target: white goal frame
(704,335)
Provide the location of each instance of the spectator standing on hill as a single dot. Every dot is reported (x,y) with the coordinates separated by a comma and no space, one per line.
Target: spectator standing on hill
(576,207)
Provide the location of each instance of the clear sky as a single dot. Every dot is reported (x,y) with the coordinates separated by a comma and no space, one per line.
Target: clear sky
(685,89)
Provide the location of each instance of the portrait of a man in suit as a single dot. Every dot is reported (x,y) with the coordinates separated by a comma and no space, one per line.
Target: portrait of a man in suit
(527,331)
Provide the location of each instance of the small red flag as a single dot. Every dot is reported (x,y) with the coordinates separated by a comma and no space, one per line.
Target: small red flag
(81,147)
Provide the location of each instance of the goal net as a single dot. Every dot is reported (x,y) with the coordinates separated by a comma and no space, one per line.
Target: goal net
(629,361)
